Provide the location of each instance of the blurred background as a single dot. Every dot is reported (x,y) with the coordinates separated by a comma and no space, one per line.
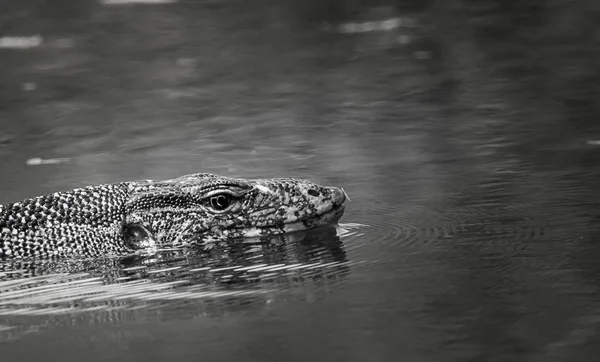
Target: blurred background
(331,89)
(465,132)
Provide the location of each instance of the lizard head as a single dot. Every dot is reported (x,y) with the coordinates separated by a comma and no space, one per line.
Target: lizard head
(205,207)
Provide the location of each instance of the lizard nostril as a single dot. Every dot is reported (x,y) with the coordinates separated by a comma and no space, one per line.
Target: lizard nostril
(339,195)
(314,193)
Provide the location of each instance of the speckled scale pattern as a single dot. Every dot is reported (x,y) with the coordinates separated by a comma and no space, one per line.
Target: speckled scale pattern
(46,226)
(90,221)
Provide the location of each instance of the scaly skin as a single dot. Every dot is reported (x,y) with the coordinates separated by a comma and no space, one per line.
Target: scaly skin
(116,219)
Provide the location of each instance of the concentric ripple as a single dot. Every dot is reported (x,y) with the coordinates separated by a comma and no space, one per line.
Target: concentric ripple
(247,275)
(416,227)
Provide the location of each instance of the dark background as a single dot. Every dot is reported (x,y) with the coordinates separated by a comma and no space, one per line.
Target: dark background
(467,139)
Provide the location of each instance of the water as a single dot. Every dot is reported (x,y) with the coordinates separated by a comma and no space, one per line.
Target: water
(469,149)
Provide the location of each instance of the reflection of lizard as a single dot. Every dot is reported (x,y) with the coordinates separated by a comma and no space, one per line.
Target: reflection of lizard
(119,218)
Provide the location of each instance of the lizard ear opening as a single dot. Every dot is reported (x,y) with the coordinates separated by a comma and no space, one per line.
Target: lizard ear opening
(137,236)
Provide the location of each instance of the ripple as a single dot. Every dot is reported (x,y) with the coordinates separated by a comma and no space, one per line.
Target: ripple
(248,274)
(418,227)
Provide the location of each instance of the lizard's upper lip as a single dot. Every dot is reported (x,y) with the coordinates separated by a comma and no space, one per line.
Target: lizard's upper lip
(337,211)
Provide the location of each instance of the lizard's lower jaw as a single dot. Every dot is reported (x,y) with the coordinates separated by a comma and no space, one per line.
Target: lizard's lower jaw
(330,217)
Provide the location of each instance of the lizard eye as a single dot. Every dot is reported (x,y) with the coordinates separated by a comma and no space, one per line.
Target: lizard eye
(220,202)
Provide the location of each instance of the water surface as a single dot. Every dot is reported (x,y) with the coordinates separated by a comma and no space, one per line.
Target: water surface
(468,149)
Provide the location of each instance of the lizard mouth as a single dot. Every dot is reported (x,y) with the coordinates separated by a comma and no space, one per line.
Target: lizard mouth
(331,216)
(328,216)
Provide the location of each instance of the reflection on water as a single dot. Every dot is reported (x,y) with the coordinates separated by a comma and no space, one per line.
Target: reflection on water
(250,274)
(467,140)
